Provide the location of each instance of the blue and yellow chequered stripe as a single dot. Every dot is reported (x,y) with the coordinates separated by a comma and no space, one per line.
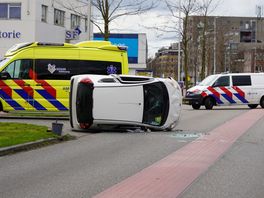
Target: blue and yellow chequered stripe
(17,99)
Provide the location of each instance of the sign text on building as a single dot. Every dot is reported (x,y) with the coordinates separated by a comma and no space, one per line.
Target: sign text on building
(73,34)
(10,34)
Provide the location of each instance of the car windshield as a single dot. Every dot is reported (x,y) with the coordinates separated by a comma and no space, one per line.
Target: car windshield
(208,80)
(156,104)
(3,62)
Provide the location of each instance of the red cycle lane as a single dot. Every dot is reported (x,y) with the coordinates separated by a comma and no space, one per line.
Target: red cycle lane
(170,176)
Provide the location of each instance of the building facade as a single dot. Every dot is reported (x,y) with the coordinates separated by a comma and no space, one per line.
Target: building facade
(43,21)
(229,43)
(165,62)
(137,49)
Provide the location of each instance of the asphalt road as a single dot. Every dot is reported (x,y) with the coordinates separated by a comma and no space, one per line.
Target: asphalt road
(96,161)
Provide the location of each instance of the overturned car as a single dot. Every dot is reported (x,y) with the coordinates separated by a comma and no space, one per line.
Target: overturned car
(113,101)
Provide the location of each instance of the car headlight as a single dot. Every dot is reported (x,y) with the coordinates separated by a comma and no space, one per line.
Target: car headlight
(196,91)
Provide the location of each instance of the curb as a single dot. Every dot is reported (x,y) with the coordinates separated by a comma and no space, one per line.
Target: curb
(33,145)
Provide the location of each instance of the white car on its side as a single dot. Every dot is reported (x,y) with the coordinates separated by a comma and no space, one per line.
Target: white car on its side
(112,101)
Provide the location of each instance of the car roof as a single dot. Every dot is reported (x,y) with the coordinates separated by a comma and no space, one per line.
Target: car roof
(113,78)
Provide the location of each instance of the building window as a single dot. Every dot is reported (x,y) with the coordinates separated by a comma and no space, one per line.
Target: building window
(10,10)
(44,11)
(59,17)
(75,21)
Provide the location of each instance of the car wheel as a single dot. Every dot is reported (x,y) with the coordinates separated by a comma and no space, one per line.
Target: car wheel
(1,106)
(209,103)
(252,106)
(196,106)
(262,102)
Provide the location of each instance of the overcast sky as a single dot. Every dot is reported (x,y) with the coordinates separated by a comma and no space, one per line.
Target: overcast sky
(159,16)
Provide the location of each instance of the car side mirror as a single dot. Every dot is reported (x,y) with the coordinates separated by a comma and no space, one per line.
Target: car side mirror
(215,84)
(4,75)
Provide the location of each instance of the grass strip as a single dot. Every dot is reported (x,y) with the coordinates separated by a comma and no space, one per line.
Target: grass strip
(19,133)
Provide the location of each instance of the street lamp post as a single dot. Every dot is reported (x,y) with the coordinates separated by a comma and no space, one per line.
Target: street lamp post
(179,44)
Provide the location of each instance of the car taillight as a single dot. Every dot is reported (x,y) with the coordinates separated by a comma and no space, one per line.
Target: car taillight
(86,81)
(84,125)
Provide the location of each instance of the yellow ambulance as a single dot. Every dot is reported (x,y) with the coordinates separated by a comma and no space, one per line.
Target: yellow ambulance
(36,76)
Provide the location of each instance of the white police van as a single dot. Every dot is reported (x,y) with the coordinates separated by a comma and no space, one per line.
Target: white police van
(227,89)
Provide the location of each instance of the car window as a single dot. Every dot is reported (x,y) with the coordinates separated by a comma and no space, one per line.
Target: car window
(65,69)
(19,69)
(99,67)
(241,80)
(3,62)
(54,69)
(222,82)
(156,104)
(84,103)
(208,80)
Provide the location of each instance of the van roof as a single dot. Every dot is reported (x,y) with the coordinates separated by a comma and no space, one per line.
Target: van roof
(241,74)
(104,45)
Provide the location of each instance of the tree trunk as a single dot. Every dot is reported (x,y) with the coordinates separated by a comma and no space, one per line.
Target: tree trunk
(106,22)
(204,48)
(106,31)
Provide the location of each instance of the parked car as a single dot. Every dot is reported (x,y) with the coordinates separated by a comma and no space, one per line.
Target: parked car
(228,89)
(112,101)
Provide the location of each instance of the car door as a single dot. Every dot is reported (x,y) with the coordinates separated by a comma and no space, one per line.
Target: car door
(222,91)
(118,103)
(18,91)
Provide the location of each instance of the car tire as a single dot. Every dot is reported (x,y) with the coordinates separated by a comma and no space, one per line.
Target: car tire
(262,102)
(196,106)
(209,103)
(1,106)
(252,106)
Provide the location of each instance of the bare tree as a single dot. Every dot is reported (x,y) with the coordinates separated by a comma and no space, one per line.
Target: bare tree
(109,10)
(206,7)
(187,7)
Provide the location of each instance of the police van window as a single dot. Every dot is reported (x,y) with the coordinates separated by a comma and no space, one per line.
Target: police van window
(222,82)
(19,69)
(208,80)
(241,80)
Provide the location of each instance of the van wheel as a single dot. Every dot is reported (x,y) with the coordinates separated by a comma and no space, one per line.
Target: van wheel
(262,102)
(209,103)
(196,106)
(252,106)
